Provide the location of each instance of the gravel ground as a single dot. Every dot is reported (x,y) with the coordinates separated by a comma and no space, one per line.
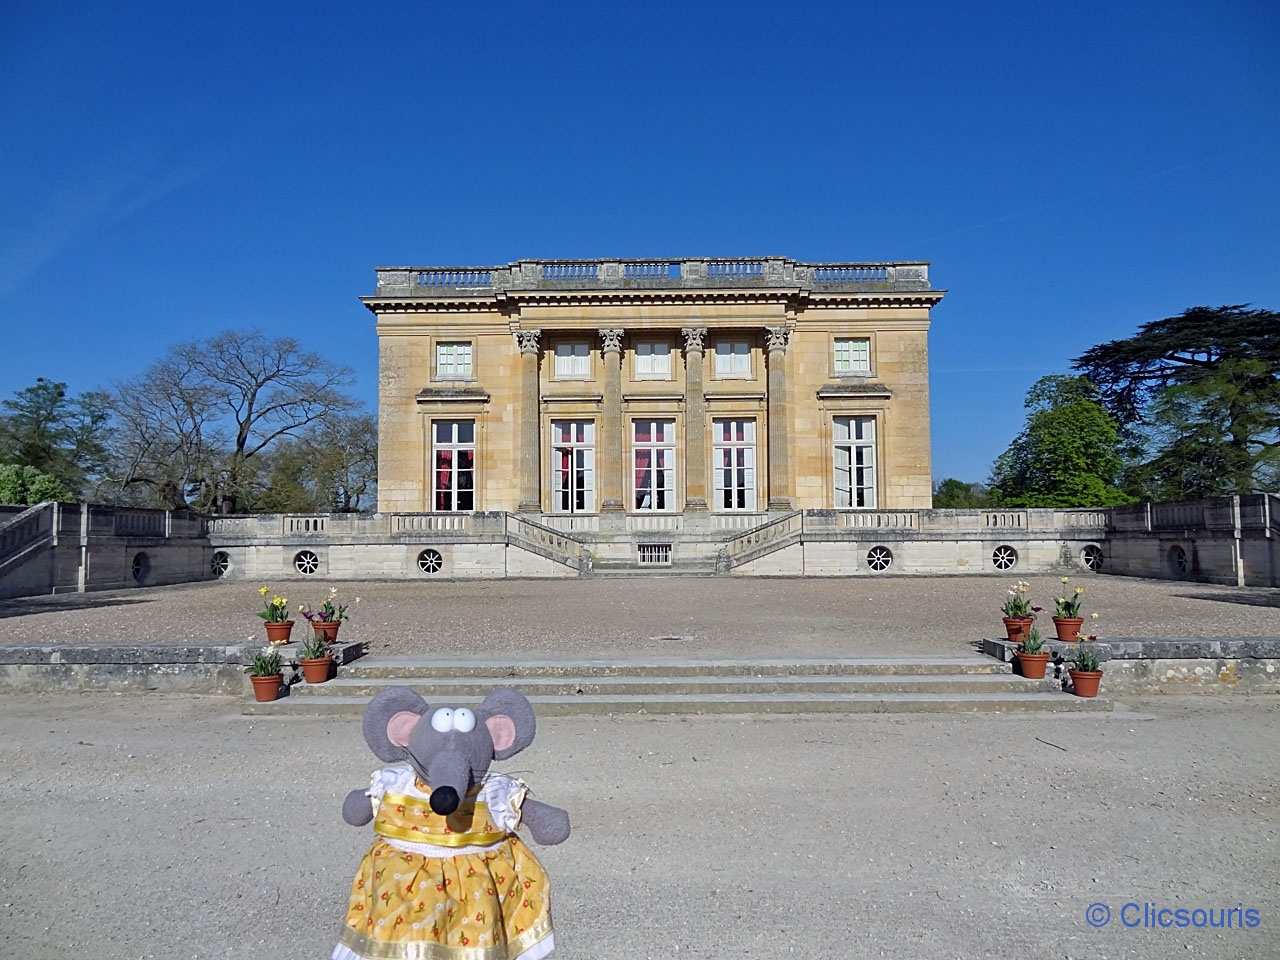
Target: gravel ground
(164,827)
(864,616)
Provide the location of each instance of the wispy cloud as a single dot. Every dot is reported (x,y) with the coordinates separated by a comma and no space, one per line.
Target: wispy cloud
(104,195)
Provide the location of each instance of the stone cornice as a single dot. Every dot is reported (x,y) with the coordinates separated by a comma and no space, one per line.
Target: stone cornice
(850,391)
(452,395)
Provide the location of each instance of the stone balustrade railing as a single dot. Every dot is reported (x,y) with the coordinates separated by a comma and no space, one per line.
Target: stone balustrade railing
(651,273)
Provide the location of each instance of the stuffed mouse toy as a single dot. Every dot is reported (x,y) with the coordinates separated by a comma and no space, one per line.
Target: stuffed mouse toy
(447,876)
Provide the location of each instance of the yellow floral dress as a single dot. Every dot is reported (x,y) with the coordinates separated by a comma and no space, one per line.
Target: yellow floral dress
(462,887)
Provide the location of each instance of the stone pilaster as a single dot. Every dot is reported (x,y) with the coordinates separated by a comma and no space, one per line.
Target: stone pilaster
(530,448)
(611,438)
(779,419)
(695,421)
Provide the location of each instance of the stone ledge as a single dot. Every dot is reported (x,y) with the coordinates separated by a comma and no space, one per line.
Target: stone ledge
(1169,665)
(170,667)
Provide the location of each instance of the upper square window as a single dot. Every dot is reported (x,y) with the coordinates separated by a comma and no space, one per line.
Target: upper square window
(453,361)
(853,355)
(733,358)
(573,360)
(653,361)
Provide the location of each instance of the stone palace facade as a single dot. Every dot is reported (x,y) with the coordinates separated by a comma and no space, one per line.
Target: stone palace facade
(587,391)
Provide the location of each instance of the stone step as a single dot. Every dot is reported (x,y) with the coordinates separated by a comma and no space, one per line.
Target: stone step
(770,703)
(498,671)
(446,690)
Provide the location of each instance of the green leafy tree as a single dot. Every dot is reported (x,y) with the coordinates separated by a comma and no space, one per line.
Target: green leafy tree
(25,485)
(1067,455)
(1193,430)
(953,494)
(1196,397)
(45,428)
(331,467)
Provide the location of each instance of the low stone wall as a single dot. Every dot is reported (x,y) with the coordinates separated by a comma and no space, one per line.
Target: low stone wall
(140,668)
(1169,665)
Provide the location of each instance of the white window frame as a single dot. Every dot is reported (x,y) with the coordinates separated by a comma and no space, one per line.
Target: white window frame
(449,445)
(572,361)
(732,362)
(651,360)
(852,356)
(573,451)
(653,466)
(454,359)
(734,463)
(854,461)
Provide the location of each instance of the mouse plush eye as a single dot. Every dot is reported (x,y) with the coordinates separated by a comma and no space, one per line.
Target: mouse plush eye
(464,721)
(442,720)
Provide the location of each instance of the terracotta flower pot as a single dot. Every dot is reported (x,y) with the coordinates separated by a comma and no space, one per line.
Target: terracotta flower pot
(1068,628)
(1033,665)
(1084,683)
(1017,627)
(266,689)
(327,629)
(317,670)
(278,632)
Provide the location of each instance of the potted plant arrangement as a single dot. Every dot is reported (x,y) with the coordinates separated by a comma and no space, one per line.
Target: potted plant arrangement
(1067,619)
(265,673)
(325,621)
(1032,657)
(275,613)
(316,659)
(1085,671)
(1018,612)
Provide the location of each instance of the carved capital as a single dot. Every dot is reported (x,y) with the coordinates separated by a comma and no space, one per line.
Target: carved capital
(528,340)
(777,338)
(693,337)
(612,340)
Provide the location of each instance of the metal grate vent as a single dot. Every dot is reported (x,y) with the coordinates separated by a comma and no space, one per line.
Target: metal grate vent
(655,554)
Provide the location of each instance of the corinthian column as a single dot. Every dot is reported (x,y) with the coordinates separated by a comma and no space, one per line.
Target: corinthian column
(530,496)
(779,417)
(695,426)
(611,441)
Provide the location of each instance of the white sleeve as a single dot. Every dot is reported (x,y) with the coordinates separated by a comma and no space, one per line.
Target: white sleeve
(503,796)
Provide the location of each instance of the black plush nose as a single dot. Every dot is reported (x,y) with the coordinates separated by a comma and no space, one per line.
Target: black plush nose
(444,800)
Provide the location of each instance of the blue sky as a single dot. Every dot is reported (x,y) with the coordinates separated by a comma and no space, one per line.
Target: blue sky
(169,171)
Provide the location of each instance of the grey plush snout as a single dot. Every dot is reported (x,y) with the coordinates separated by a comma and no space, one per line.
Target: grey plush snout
(450,777)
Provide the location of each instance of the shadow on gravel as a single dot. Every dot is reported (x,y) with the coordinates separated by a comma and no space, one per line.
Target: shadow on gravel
(30,606)
(1261,597)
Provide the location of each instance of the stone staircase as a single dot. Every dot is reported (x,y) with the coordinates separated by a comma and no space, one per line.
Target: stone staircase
(690,686)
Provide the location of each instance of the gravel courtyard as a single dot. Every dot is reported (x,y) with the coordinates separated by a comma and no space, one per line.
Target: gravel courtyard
(865,616)
(142,827)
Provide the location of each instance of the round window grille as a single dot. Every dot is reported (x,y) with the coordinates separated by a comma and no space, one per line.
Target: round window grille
(306,562)
(1004,558)
(879,558)
(1178,561)
(430,561)
(220,564)
(1091,557)
(141,567)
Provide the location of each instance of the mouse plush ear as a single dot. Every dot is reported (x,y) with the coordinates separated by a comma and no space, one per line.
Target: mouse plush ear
(509,719)
(389,719)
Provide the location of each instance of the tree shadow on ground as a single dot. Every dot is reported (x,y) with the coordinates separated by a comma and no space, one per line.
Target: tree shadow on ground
(1259,597)
(32,606)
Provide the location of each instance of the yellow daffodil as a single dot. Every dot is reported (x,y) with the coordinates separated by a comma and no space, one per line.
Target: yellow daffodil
(1065,579)
(264,591)
(1079,590)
